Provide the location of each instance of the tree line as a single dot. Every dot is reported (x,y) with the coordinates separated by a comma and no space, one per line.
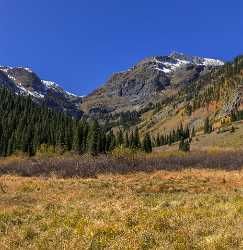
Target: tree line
(179,134)
(26,126)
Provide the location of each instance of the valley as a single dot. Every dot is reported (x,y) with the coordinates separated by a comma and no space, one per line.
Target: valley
(189,209)
(121,125)
(151,160)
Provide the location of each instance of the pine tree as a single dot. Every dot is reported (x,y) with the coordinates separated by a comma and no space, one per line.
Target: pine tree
(93,138)
(207,126)
(147,144)
(120,139)
(136,139)
(127,143)
(158,141)
(112,141)
(11,145)
(170,139)
(131,140)
(193,133)
(78,138)
(184,145)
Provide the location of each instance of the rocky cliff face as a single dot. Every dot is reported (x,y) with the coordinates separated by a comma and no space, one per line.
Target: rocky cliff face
(151,79)
(23,81)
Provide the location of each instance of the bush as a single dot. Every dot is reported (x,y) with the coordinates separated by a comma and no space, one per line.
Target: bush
(123,152)
(87,166)
(46,150)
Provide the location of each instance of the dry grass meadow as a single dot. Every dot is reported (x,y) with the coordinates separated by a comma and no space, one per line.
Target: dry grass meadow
(186,208)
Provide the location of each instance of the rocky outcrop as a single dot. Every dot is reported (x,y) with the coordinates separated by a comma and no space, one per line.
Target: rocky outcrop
(150,79)
(23,81)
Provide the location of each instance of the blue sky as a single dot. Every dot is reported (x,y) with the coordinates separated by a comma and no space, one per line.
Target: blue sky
(79,43)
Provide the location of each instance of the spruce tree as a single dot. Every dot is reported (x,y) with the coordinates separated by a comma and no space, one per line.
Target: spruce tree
(147,144)
(207,126)
(184,145)
(120,139)
(193,133)
(136,139)
(127,143)
(93,138)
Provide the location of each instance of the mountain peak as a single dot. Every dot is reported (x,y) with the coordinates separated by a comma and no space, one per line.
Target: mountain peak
(196,59)
(24,81)
(179,56)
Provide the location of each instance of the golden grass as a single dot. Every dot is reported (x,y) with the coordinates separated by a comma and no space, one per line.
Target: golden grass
(189,209)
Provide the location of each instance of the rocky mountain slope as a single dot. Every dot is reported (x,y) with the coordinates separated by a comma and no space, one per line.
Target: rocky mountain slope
(23,81)
(156,95)
(151,80)
(160,93)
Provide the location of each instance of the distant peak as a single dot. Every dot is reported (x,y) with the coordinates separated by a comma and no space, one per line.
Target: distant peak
(176,53)
(196,59)
(180,56)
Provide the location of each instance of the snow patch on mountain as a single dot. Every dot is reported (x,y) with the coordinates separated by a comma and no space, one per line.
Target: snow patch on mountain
(168,67)
(24,91)
(175,61)
(212,62)
(69,93)
(53,85)
(49,84)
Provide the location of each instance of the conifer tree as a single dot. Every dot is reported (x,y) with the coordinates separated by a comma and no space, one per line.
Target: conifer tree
(131,140)
(136,139)
(193,133)
(184,145)
(158,141)
(93,138)
(127,143)
(147,144)
(207,126)
(120,139)
(112,141)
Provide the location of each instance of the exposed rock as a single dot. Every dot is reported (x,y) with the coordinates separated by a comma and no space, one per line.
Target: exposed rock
(151,79)
(23,81)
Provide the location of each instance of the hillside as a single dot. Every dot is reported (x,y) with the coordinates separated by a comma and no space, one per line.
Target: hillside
(23,81)
(160,93)
(158,96)
(216,141)
(149,81)
(31,128)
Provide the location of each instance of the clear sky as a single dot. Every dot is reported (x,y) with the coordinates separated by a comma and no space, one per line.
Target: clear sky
(79,43)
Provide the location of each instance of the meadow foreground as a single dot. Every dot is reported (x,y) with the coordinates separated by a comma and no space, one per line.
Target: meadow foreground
(186,209)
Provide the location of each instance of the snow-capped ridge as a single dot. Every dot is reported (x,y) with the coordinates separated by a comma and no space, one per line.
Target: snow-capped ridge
(212,62)
(196,59)
(176,60)
(37,92)
(49,84)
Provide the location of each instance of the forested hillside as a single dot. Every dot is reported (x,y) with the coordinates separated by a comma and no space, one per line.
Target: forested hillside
(160,93)
(199,105)
(28,127)
(24,126)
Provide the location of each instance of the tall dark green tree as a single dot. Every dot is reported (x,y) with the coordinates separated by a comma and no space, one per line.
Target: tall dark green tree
(207,126)
(94,137)
(184,145)
(120,138)
(127,143)
(136,139)
(147,143)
